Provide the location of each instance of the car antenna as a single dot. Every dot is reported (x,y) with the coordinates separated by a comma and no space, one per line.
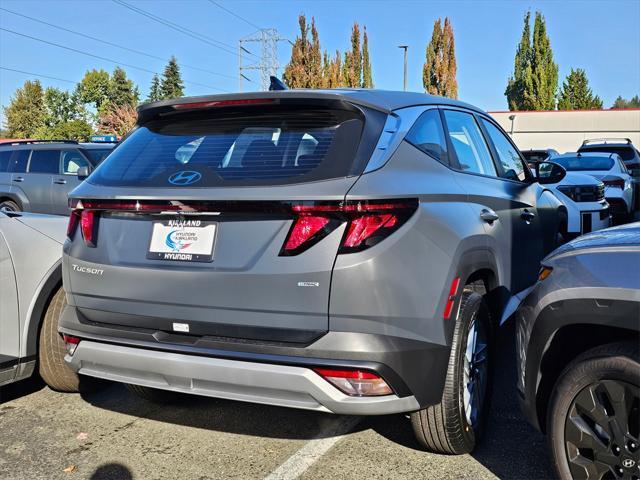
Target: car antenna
(276,84)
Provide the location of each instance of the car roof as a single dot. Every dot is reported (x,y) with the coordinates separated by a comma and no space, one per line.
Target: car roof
(97,145)
(40,146)
(385,100)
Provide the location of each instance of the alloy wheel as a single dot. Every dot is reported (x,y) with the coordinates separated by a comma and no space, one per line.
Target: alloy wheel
(475,372)
(602,429)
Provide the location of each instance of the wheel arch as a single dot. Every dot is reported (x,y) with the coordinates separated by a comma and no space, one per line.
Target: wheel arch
(567,343)
(14,197)
(47,288)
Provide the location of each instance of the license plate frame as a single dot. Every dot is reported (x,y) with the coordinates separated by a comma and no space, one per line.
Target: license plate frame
(178,240)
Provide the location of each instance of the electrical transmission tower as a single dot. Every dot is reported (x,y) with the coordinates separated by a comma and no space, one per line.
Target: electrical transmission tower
(267,63)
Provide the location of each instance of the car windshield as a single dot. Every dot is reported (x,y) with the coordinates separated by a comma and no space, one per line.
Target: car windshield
(626,153)
(534,156)
(97,154)
(584,163)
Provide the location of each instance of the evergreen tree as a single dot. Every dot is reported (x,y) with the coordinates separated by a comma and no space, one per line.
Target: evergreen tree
(122,91)
(25,114)
(576,94)
(367,80)
(521,78)
(624,103)
(439,70)
(353,60)
(154,91)
(172,86)
(544,71)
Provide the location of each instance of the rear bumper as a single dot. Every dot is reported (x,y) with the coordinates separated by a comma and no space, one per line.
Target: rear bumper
(275,374)
(281,385)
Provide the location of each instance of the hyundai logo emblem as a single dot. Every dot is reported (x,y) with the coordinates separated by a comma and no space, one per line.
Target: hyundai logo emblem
(628,463)
(184,177)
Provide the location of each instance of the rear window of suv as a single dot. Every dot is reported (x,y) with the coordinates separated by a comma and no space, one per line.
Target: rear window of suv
(576,164)
(250,146)
(626,153)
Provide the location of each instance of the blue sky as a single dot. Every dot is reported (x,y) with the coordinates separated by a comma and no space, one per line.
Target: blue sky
(603,37)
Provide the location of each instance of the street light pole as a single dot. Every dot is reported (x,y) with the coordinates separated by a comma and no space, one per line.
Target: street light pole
(405,48)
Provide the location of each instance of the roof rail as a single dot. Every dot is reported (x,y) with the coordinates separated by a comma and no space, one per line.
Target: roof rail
(35,142)
(606,140)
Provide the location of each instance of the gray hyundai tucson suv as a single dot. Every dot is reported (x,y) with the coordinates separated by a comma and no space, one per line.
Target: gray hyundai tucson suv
(345,251)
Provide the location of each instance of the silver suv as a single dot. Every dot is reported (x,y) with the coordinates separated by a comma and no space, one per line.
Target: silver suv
(37,175)
(345,251)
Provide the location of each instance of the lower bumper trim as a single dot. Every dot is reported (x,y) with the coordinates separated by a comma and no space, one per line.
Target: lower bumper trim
(271,384)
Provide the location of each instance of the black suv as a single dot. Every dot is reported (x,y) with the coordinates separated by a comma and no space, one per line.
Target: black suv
(37,175)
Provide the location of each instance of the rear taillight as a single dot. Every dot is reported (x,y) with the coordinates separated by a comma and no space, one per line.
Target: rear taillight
(357,383)
(368,223)
(88,221)
(72,226)
(71,343)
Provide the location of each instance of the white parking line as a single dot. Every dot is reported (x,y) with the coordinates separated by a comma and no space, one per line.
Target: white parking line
(331,432)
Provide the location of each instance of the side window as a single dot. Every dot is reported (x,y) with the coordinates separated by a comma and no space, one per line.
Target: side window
(18,161)
(72,160)
(4,161)
(512,166)
(45,161)
(427,135)
(468,143)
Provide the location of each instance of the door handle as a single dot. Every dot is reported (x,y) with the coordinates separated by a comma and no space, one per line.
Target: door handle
(18,179)
(488,215)
(60,181)
(527,216)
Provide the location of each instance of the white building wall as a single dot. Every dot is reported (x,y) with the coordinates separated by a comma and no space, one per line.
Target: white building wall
(565,130)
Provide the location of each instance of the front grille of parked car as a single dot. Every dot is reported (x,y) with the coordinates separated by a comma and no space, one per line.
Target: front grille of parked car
(584,193)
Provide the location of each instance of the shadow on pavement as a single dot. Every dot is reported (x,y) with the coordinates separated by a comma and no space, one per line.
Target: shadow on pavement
(112,471)
(21,388)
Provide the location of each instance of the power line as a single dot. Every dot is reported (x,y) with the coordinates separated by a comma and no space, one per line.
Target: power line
(225,47)
(235,15)
(99,57)
(37,75)
(111,43)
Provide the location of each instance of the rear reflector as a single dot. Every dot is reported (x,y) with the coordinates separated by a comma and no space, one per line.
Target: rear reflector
(451,299)
(357,383)
(71,343)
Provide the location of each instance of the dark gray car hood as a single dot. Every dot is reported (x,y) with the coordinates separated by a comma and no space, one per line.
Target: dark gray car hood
(624,235)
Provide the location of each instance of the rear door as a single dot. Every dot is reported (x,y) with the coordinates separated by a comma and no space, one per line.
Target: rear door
(37,183)
(506,204)
(215,195)
(66,180)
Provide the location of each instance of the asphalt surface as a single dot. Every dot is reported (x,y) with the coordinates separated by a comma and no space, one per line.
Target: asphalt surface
(111,434)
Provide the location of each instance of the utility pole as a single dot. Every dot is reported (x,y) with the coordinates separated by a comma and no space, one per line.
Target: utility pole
(267,63)
(405,48)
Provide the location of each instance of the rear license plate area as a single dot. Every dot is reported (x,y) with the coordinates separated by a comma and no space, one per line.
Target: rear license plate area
(180,240)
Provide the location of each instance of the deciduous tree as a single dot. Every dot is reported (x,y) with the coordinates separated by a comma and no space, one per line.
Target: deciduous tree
(576,94)
(440,68)
(118,121)
(95,88)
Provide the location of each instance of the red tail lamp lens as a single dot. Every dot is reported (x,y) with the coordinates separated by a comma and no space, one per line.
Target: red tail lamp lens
(304,229)
(88,227)
(72,226)
(363,228)
(71,343)
(357,383)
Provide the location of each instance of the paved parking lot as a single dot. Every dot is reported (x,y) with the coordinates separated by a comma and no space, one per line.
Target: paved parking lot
(112,434)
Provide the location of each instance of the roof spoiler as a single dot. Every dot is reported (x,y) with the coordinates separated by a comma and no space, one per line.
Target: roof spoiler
(607,140)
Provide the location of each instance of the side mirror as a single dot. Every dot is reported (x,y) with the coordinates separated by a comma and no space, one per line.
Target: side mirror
(549,172)
(83,172)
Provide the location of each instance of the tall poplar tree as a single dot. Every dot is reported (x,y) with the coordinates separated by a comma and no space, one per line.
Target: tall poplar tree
(295,72)
(544,71)
(352,69)
(172,85)
(521,78)
(439,70)
(576,94)
(367,80)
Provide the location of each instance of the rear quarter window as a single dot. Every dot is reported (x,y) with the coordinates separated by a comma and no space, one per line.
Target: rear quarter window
(250,146)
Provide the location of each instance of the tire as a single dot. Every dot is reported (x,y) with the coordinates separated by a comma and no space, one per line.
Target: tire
(611,375)
(51,350)
(446,427)
(10,205)
(154,395)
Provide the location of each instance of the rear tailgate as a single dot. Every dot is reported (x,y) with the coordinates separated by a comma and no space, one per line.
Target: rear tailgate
(205,256)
